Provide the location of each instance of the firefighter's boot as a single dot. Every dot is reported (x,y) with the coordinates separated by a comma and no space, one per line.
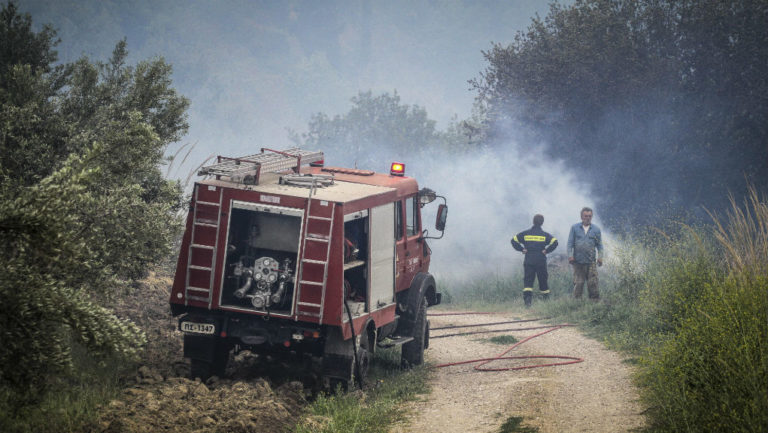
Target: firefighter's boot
(527,296)
(545,296)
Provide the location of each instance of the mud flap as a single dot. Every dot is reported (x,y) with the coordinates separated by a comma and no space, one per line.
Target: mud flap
(338,357)
(199,347)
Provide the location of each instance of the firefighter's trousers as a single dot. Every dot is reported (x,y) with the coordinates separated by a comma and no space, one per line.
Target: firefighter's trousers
(585,272)
(533,271)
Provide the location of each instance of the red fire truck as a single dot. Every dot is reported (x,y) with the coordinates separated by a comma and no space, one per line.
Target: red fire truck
(282,255)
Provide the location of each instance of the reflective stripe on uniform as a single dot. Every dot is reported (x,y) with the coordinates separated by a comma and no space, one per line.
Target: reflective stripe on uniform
(515,239)
(528,289)
(545,292)
(552,241)
(534,238)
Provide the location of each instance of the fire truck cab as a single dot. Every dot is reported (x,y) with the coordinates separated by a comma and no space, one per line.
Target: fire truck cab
(282,255)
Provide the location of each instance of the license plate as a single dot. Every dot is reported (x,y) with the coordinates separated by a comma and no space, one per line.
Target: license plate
(198,328)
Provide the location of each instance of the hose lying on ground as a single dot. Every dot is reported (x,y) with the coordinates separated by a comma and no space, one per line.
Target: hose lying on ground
(484,361)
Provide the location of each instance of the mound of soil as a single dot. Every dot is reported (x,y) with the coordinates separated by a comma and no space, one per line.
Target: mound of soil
(159,396)
(182,405)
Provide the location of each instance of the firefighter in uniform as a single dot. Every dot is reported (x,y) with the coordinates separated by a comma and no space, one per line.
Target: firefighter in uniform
(535,243)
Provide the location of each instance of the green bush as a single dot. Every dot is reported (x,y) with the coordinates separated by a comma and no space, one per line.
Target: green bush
(710,371)
(84,208)
(680,268)
(712,374)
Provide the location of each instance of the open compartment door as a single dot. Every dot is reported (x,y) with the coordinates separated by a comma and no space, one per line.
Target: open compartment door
(262,252)
(382,257)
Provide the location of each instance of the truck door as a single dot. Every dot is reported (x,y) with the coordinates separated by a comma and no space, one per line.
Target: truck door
(408,234)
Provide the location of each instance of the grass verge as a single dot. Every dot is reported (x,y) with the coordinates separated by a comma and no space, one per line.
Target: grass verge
(73,402)
(375,408)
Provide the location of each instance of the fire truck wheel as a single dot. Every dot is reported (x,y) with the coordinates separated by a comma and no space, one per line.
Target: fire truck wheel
(205,369)
(413,351)
(363,358)
(337,385)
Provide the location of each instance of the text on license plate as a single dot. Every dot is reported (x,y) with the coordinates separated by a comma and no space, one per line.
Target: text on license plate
(198,328)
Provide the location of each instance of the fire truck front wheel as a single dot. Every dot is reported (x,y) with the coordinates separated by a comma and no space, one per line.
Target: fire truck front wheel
(413,351)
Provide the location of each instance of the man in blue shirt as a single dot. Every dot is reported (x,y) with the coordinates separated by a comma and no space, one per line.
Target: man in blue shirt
(583,240)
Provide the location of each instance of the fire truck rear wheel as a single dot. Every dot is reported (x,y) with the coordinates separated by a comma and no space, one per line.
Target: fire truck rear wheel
(337,385)
(413,351)
(363,358)
(205,369)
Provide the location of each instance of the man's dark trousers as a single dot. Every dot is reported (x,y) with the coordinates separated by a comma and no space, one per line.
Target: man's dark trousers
(531,272)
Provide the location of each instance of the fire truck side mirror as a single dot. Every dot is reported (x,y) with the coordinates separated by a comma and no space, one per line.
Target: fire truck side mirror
(442,216)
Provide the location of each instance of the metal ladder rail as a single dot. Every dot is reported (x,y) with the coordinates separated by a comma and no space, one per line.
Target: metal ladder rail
(300,270)
(192,245)
(327,260)
(328,239)
(264,162)
(215,248)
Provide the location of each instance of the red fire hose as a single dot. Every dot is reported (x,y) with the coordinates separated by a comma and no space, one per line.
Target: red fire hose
(484,361)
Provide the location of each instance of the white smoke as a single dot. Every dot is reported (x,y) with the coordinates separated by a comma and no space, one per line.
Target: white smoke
(493,195)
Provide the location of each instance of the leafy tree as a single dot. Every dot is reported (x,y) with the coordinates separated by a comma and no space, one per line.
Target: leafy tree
(659,103)
(375,127)
(467,134)
(29,82)
(84,208)
(723,47)
(381,128)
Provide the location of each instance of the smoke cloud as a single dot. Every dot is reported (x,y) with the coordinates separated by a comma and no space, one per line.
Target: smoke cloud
(492,194)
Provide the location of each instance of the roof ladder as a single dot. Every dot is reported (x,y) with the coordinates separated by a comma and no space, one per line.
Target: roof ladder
(248,169)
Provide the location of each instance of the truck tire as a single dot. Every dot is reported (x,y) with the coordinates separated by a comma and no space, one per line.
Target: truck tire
(336,385)
(360,371)
(363,359)
(205,369)
(413,351)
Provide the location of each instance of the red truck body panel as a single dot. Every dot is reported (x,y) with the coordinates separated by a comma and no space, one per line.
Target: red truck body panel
(202,267)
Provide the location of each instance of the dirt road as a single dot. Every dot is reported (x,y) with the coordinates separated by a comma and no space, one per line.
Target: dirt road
(594,396)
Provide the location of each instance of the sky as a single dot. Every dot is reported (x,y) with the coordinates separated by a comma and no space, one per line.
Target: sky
(254,70)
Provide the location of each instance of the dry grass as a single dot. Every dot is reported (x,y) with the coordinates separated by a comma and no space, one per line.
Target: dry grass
(744,235)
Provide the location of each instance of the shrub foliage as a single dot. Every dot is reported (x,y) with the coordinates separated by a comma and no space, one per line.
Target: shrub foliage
(84,208)
(709,372)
